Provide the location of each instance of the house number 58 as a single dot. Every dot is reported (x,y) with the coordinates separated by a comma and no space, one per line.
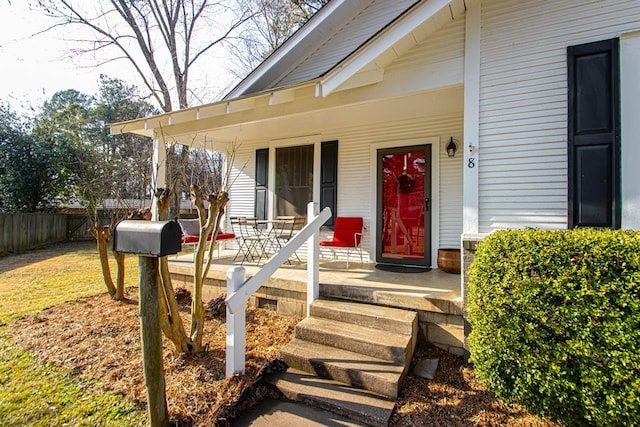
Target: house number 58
(471,163)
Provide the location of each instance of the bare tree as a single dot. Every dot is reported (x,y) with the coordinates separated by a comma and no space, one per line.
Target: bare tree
(271,24)
(104,238)
(170,319)
(209,184)
(207,178)
(161,40)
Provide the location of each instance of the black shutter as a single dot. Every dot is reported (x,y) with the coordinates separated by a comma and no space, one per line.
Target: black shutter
(329,178)
(262,180)
(594,134)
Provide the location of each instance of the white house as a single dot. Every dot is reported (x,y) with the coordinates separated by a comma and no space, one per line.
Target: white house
(541,100)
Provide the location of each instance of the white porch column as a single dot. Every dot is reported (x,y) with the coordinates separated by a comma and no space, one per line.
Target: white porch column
(471,118)
(471,146)
(630,140)
(236,327)
(158,172)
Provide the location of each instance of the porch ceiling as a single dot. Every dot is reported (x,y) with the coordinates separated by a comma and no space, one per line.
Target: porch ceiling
(260,120)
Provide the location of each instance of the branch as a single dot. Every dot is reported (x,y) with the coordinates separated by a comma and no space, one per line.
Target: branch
(146,50)
(72,16)
(219,39)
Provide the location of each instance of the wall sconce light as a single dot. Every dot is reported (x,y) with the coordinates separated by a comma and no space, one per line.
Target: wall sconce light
(451,148)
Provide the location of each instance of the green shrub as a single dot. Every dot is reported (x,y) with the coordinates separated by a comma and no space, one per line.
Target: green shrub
(555,319)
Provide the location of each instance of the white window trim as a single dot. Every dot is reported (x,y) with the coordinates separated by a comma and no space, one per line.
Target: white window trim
(630,128)
(314,140)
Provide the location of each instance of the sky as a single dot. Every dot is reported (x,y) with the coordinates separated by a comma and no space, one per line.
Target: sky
(34,66)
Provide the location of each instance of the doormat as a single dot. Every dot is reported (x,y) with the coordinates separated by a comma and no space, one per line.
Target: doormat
(395,268)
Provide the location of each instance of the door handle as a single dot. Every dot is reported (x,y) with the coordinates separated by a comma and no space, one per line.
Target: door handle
(426,204)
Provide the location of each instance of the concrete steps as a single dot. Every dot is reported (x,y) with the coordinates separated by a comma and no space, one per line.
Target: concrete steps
(361,350)
(359,405)
(373,316)
(390,346)
(350,368)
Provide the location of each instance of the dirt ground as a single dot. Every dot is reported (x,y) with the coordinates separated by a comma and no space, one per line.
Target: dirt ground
(100,339)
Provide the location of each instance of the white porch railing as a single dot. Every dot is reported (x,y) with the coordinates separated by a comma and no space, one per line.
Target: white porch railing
(239,291)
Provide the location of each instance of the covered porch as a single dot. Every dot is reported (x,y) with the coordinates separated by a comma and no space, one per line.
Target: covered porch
(366,136)
(434,295)
(303,142)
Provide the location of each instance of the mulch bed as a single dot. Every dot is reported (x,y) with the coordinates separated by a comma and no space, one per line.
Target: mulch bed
(100,338)
(453,398)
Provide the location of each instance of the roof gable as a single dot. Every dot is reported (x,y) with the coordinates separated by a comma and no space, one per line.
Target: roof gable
(330,36)
(366,65)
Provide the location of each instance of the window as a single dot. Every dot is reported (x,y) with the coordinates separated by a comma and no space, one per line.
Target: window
(294,180)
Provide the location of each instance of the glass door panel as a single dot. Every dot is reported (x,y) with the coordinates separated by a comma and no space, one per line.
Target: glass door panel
(404,188)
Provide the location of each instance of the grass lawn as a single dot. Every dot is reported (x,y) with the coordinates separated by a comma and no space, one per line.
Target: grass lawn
(38,394)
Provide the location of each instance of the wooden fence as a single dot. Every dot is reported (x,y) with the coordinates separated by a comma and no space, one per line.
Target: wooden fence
(22,231)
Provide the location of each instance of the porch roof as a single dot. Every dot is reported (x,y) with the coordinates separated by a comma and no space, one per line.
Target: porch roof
(247,117)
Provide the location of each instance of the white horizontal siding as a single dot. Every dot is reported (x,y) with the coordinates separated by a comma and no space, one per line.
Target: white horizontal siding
(354,172)
(523,107)
(441,46)
(450,191)
(242,179)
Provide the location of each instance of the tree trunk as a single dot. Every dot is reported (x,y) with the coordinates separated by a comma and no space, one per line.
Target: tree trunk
(174,208)
(119,257)
(170,319)
(209,224)
(197,310)
(103,235)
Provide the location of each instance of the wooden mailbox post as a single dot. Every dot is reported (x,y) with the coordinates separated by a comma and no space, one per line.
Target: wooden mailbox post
(150,240)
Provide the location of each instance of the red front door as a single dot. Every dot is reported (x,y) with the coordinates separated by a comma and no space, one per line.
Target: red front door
(404,191)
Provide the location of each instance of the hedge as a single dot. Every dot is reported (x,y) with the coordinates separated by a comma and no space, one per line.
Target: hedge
(555,318)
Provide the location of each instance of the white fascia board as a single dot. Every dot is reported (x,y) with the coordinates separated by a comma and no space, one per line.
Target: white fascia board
(241,104)
(282,96)
(322,15)
(148,125)
(145,126)
(380,44)
(182,116)
(363,79)
(211,110)
(138,127)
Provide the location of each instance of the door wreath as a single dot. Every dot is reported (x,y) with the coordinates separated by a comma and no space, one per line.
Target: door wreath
(405,183)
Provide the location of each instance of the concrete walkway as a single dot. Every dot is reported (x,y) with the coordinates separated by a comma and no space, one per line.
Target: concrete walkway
(279,413)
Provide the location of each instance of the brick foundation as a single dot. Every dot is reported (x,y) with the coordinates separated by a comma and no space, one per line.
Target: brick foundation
(469,244)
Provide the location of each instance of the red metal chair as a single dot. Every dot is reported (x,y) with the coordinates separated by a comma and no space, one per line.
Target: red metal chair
(347,234)
(191,234)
